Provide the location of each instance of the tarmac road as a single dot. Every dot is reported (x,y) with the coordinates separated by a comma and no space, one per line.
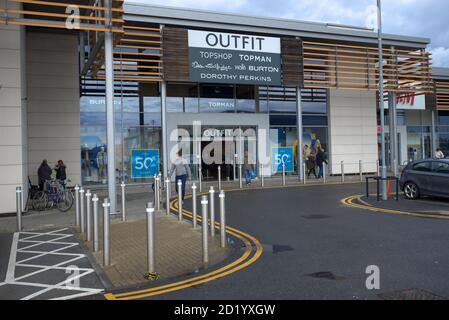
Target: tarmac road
(317,248)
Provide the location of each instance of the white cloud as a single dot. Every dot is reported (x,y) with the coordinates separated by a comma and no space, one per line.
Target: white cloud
(440,57)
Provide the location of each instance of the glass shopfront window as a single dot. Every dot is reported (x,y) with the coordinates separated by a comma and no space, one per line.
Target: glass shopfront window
(217,98)
(246,102)
(138,126)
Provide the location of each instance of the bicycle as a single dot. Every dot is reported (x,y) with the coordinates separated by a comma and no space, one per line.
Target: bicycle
(54,194)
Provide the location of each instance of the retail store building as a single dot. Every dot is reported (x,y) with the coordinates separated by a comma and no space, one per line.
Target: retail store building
(266,87)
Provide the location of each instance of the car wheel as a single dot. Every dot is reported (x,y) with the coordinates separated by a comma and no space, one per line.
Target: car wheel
(411,191)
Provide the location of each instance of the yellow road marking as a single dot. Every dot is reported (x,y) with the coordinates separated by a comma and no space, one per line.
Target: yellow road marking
(235,266)
(349,201)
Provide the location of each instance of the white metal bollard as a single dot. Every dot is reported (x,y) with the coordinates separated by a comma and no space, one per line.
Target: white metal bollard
(342,171)
(106,235)
(82,211)
(200,178)
(240,177)
(283,175)
(324,173)
(150,237)
(212,211)
(219,177)
(19,208)
(88,216)
(194,209)
(304,168)
(167,196)
(222,219)
(205,243)
(262,178)
(123,185)
(96,222)
(158,193)
(77,205)
(179,200)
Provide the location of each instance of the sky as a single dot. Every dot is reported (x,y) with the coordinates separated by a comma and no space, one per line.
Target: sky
(422,18)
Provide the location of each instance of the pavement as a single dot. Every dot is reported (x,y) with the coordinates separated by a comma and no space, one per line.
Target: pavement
(426,205)
(178,252)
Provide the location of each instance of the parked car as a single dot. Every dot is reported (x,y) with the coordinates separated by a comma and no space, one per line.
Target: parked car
(425,178)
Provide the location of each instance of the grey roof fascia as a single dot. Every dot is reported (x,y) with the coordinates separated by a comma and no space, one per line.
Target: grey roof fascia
(440,73)
(274,26)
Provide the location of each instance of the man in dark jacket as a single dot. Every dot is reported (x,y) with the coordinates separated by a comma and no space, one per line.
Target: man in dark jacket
(44,173)
(320,161)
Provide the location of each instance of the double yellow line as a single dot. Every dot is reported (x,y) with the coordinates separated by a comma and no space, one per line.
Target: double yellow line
(253,251)
(349,201)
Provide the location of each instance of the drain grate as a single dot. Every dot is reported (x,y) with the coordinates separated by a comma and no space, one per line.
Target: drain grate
(410,294)
(316,217)
(325,275)
(281,248)
(277,248)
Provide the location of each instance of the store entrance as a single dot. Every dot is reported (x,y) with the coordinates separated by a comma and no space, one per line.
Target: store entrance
(226,148)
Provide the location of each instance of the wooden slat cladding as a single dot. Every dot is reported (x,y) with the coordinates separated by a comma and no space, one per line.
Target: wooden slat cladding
(175,48)
(54,14)
(292,62)
(442,94)
(355,67)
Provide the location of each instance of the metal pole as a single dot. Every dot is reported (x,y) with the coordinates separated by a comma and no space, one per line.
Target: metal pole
(200,178)
(88,216)
(262,177)
(123,185)
(240,177)
(204,204)
(283,175)
(110,122)
(155,188)
(96,224)
(342,171)
(158,193)
(219,177)
(324,173)
(165,149)
(361,170)
(106,236)
(234,165)
(150,236)
(305,173)
(301,168)
(194,209)
(19,208)
(434,134)
(378,168)
(83,222)
(212,211)
(222,219)
(167,196)
(180,200)
(381,101)
(77,205)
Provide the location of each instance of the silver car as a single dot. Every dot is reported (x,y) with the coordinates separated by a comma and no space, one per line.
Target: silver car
(425,178)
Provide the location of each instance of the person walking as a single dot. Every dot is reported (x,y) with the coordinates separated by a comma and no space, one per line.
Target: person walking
(439,155)
(248,168)
(311,164)
(181,168)
(44,174)
(320,161)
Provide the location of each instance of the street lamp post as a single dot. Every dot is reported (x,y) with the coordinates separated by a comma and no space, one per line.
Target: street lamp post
(381,101)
